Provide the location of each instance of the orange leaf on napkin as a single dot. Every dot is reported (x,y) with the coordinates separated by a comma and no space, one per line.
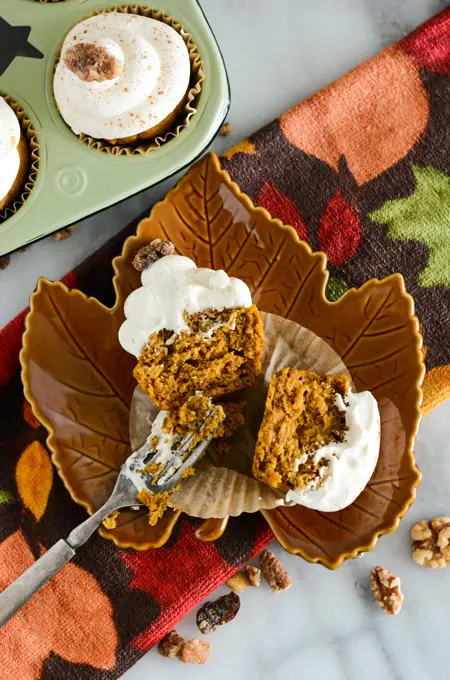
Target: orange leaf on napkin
(70,616)
(34,478)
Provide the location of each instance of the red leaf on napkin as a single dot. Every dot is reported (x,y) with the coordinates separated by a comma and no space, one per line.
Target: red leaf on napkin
(428,46)
(167,574)
(279,205)
(339,230)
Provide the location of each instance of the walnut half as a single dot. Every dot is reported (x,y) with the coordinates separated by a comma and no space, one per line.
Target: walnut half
(431,542)
(386,590)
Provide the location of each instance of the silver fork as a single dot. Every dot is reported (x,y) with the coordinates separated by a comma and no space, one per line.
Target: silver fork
(123,496)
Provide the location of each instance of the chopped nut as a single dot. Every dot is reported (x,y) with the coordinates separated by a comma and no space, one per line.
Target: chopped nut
(171,645)
(110,522)
(62,234)
(4,261)
(225,130)
(386,590)
(431,542)
(92,62)
(238,582)
(214,614)
(152,252)
(274,572)
(253,575)
(195,651)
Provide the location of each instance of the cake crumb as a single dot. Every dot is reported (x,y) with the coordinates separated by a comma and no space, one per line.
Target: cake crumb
(225,130)
(92,62)
(157,504)
(62,234)
(111,521)
(4,261)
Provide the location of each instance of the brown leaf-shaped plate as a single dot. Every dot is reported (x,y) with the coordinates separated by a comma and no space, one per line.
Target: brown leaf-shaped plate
(79,380)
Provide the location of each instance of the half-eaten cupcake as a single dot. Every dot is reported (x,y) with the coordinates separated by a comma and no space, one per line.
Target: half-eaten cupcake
(318,441)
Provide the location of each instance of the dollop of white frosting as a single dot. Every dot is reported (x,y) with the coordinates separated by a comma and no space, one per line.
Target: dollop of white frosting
(153,81)
(173,285)
(350,463)
(9,140)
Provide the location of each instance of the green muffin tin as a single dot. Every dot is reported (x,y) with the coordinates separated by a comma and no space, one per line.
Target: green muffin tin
(75,181)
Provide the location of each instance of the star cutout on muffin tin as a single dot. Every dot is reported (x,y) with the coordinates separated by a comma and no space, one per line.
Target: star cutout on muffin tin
(14,43)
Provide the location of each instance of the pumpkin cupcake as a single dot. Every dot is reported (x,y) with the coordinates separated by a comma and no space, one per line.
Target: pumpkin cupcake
(14,156)
(122,77)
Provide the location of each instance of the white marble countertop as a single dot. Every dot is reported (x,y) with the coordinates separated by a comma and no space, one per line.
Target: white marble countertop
(326,626)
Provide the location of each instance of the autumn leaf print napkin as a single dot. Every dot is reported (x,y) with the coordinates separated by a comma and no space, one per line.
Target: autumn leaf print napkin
(362,171)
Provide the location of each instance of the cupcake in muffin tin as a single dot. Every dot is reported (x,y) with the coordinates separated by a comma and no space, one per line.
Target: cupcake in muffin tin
(122,77)
(19,156)
(146,106)
(14,156)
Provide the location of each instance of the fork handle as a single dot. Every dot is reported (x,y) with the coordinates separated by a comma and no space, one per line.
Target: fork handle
(28,583)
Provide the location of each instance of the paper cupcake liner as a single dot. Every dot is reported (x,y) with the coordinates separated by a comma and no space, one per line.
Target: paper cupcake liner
(195,85)
(223,483)
(30,133)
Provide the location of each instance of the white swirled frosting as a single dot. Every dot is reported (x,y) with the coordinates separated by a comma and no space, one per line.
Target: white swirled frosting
(153,80)
(9,155)
(350,463)
(171,286)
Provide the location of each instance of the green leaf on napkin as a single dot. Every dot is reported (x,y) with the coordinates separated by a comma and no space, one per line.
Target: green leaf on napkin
(425,217)
(336,287)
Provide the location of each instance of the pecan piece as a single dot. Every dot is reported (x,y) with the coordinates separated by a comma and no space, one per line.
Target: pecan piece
(273,571)
(171,644)
(386,590)
(431,542)
(214,614)
(92,63)
(251,576)
(152,252)
(195,651)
